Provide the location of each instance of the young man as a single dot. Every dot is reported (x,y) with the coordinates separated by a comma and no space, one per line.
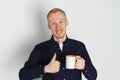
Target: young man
(47,60)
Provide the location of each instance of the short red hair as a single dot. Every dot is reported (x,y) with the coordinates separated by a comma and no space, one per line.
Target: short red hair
(54,10)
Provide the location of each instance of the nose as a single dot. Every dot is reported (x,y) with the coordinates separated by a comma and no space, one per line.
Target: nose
(57,26)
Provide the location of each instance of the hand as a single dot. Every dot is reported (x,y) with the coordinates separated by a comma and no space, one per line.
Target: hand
(53,66)
(80,63)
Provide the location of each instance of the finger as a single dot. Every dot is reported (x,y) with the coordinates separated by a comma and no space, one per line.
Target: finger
(77,66)
(54,57)
(80,66)
(80,60)
(78,57)
(58,62)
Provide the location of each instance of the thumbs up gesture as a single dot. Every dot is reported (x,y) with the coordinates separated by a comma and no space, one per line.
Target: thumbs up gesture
(53,66)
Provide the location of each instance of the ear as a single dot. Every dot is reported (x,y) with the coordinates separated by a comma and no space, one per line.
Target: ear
(49,26)
(67,23)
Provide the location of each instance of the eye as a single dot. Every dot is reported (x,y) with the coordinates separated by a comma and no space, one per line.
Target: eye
(61,21)
(52,23)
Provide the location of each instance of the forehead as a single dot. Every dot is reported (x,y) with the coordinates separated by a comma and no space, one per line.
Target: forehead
(56,15)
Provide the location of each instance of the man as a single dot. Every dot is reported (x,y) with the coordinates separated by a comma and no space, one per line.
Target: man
(47,60)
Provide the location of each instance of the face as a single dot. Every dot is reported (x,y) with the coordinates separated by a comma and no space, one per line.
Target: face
(57,23)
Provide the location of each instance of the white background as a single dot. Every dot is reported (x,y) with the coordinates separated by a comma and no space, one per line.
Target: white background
(94,22)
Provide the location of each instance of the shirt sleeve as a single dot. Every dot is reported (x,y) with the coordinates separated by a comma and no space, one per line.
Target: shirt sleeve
(89,72)
(33,67)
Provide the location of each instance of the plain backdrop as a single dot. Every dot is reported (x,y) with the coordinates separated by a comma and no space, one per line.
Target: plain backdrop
(23,24)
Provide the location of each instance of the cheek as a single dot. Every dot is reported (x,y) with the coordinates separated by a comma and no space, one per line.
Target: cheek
(64,28)
(53,30)
(49,26)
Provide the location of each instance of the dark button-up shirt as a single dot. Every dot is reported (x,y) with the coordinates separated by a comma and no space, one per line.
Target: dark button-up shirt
(42,55)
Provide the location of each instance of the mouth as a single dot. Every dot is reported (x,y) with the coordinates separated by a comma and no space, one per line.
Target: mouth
(58,32)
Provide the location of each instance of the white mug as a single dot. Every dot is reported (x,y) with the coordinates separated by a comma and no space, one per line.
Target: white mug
(70,61)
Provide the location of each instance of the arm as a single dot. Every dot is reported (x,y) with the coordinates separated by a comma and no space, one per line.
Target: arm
(89,72)
(33,67)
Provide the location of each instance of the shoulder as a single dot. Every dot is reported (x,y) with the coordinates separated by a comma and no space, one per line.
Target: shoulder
(43,45)
(75,42)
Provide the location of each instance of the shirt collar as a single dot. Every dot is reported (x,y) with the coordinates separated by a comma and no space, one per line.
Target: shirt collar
(55,42)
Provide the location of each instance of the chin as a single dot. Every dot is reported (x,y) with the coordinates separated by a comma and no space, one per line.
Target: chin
(59,36)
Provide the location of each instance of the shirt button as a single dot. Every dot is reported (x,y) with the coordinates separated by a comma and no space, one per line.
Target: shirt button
(62,57)
(64,79)
(85,71)
(55,46)
(88,75)
(63,68)
(41,75)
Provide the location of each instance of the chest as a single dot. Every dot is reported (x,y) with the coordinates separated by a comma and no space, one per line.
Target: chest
(61,54)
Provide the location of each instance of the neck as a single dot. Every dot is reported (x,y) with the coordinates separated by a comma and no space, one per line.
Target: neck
(60,40)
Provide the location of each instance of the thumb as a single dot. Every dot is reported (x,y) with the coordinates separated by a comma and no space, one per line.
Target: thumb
(54,57)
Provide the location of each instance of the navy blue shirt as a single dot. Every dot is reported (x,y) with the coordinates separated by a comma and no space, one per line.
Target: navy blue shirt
(42,55)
